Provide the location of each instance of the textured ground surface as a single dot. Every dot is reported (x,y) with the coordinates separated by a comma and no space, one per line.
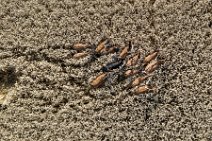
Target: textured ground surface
(46,104)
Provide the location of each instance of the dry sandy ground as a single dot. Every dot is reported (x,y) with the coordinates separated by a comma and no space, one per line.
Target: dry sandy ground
(46,102)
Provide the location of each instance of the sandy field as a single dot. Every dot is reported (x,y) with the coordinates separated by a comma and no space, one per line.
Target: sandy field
(44,94)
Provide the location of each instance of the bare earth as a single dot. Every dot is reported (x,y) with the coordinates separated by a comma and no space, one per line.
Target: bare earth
(47,102)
